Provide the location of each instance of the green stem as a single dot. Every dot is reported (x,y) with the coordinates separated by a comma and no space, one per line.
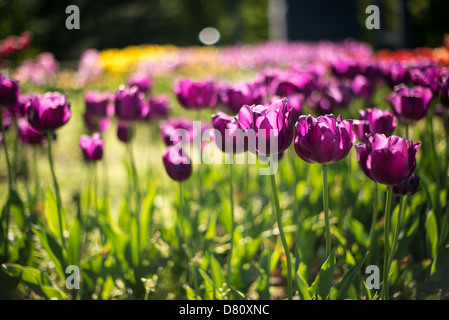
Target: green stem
(8,203)
(402,202)
(372,234)
(281,232)
(56,186)
(386,271)
(326,210)
(231,200)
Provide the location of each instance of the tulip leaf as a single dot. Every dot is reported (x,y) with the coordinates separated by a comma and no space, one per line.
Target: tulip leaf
(217,273)
(326,275)
(209,286)
(301,282)
(190,294)
(51,212)
(53,248)
(74,242)
(35,279)
(346,281)
(17,208)
(432,234)
(145,216)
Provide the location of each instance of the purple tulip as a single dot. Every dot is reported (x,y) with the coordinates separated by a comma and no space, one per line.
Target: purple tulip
(444,91)
(142,81)
(387,160)
(98,104)
(168,127)
(394,74)
(230,133)
(176,164)
(196,95)
(28,135)
(429,77)
(159,106)
(125,132)
(49,111)
(379,121)
(9,91)
(289,83)
(362,87)
(361,129)
(410,104)
(324,139)
(237,95)
(130,104)
(270,124)
(92,147)
(345,68)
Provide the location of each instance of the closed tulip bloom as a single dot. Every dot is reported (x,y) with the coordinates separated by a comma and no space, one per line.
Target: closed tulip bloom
(49,111)
(387,160)
(28,135)
(230,133)
(131,104)
(345,68)
(168,127)
(159,107)
(394,74)
(92,147)
(271,124)
(323,140)
(362,87)
(379,121)
(292,82)
(142,81)
(125,132)
(444,91)
(98,104)
(196,95)
(9,91)
(410,104)
(237,95)
(429,77)
(176,164)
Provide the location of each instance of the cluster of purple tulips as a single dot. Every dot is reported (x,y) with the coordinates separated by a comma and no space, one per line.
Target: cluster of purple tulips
(272,107)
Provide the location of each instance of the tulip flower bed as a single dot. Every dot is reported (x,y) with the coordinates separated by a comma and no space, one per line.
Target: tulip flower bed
(280,171)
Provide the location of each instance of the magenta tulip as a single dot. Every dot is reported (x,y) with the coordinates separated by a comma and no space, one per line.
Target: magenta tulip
(177,165)
(196,95)
(230,133)
(323,140)
(387,160)
(49,111)
(28,135)
(9,91)
(92,147)
(270,124)
(131,104)
(410,104)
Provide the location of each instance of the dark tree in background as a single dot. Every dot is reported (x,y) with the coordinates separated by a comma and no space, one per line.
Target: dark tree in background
(119,23)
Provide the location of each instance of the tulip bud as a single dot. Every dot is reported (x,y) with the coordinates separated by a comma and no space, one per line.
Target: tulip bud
(125,132)
(130,104)
(92,147)
(408,187)
(176,164)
